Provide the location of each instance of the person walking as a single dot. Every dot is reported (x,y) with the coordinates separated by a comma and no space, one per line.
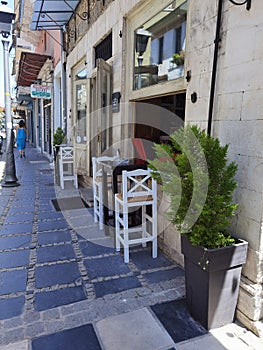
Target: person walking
(21,138)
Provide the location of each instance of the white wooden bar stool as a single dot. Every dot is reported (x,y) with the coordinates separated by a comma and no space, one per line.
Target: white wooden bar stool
(139,190)
(66,166)
(98,187)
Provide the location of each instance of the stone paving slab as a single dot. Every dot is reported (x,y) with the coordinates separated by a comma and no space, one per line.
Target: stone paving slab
(13,281)
(11,307)
(15,242)
(134,330)
(177,320)
(51,237)
(51,299)
(23,345)
(79,338)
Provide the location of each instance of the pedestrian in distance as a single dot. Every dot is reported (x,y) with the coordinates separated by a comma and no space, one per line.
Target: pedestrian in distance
(21,138)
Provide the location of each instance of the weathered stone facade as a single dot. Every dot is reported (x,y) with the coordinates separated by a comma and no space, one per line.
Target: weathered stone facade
(86,14)
(237,120)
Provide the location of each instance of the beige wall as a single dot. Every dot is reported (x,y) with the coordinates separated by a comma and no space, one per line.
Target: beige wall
(237,120)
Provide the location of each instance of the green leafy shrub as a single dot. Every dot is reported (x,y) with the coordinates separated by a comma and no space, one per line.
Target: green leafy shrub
(58,137)
(200,182)
(178,58)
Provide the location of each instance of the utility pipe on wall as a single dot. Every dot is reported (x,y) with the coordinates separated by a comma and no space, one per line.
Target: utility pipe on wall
(214,68)
(215,59)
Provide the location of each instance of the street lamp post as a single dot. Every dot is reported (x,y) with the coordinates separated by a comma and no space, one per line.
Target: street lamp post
(6,18)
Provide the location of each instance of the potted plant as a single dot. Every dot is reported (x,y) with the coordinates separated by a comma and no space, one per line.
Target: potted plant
(177,66)
(58,137)
(195,172)
(178,58)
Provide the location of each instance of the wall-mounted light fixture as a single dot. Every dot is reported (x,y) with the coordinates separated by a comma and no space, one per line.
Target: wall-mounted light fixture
(142,37)
(193,97)
(141,41)
(6,18)
(188,76)
(248,2)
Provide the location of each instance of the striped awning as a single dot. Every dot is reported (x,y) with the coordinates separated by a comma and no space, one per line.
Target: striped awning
(29,67)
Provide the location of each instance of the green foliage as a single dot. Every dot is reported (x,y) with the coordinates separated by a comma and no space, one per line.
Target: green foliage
(201,189)
(178,58)
(58,137)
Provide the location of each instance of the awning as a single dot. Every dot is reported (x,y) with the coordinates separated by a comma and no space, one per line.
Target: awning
(51,15)
(29,67)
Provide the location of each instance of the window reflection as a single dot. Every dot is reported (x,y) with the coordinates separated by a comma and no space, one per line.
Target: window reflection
(159,46)
(81,75)
(81,98)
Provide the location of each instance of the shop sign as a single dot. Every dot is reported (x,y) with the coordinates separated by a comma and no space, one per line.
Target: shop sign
(40,91)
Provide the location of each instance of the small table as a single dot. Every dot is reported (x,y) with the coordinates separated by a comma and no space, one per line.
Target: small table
(115,168)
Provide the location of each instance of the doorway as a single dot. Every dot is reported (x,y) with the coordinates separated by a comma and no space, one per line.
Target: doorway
(47,127)
(157,118)
(104,112)
(100,116)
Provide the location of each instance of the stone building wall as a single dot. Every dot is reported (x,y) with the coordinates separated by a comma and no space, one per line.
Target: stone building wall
(237,121)
(87,13)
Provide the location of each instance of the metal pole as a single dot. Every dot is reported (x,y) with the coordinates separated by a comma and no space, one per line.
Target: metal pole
(10,179)
(140,59)
(63,120)
(42,126)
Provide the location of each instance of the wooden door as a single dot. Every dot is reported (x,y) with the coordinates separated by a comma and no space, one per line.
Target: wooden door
(104,113)
(80,124)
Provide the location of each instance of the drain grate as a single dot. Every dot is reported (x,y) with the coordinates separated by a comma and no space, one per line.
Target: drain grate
(68,203)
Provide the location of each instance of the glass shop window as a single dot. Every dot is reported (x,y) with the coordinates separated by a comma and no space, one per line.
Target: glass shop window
(104,49)
(81,106)
(159,46)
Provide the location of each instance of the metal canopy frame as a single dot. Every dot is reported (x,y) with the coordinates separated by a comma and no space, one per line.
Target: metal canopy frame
(51,14)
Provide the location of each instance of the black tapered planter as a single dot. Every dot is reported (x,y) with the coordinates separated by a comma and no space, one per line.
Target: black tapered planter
(212,278)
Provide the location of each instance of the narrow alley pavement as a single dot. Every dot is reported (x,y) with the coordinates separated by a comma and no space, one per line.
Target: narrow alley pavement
(63,285)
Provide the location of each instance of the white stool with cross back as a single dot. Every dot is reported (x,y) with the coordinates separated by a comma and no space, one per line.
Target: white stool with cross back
(139,190)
